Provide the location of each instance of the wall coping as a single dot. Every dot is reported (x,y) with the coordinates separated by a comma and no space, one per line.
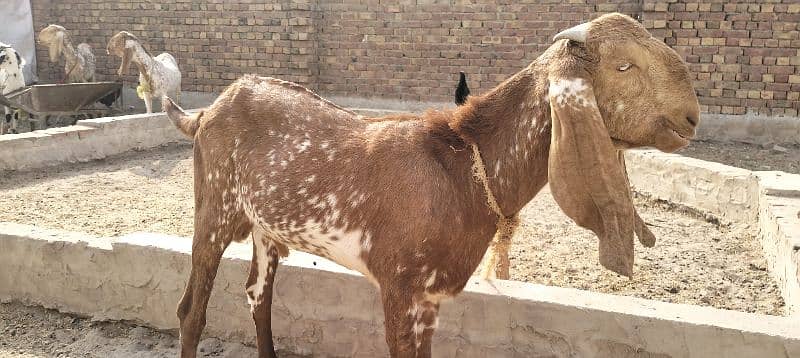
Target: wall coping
(314,294)
(768,200)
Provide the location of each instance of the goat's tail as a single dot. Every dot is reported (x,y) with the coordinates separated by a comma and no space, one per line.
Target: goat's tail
(186,123)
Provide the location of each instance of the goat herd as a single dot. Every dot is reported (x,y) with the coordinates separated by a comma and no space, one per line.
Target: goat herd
(413,202)
(158,76)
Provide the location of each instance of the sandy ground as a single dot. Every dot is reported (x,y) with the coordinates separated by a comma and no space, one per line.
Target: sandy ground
(747,156)
(28,332)
(695,261)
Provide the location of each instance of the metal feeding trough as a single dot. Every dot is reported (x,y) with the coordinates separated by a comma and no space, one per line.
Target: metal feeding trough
(44,104)
(59,99)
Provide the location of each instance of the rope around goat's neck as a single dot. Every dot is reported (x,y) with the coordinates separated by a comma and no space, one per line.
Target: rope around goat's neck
(479,173)
(497,261)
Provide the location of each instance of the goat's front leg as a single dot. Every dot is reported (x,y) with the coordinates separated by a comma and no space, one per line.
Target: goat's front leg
(259,290)
(410,324)
(148,102)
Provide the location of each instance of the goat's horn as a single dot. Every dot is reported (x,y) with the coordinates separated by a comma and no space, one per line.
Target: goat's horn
(576,33)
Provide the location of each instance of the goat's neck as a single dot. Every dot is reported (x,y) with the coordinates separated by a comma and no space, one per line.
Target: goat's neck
(515,141)
(70,55)
(141,57)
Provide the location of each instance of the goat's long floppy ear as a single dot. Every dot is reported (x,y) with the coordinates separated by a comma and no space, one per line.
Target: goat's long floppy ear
(56,46)
(127,54)
(644,234)
(585,175)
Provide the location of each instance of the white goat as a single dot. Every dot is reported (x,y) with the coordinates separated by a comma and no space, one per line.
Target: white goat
(11,79)
(158,76)
(80,64)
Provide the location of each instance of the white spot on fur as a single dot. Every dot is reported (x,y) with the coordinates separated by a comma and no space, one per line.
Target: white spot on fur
(304,145)
(419,327)
(331,199)
(431,279)
(413,310)
(255,291)
(570,92)
(366,244)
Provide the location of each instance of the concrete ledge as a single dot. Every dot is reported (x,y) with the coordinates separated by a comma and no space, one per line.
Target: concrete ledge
(770,200)
(87,140)
(779,231)
(323,309)
(726,192)
(93,139)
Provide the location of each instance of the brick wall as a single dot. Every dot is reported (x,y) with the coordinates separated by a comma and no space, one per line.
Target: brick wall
(744,57)
(414,50)
(213,41)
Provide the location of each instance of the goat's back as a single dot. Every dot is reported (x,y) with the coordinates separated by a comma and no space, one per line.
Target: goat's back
(321,179)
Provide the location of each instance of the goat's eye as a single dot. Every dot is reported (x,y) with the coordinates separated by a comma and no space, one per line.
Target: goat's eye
(624,67)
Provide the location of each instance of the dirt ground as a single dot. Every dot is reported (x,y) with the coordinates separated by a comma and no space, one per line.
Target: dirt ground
(695,261)
(32,332)
(747,156)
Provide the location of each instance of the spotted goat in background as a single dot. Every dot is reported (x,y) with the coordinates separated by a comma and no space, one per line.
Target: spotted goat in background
(158,76)
(11,79)
(413,202)
(79,64)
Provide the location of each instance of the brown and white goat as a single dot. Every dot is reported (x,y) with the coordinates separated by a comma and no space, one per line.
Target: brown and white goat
(413,202)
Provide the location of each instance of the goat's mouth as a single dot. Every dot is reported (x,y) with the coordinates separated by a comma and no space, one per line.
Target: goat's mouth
(673,139)
(685,137)
(622,144)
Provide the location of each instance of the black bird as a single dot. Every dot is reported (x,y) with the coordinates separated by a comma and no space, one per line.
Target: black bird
(462,91)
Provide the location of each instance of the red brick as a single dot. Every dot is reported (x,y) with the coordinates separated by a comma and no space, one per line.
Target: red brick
(414,52)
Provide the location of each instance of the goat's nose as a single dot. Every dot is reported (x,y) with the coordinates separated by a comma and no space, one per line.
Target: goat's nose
(693,119)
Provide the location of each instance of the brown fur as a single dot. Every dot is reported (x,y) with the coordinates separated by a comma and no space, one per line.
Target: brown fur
(395,198)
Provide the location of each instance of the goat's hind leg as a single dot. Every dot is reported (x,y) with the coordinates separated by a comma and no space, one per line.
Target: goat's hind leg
(259,289)
(210,240)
